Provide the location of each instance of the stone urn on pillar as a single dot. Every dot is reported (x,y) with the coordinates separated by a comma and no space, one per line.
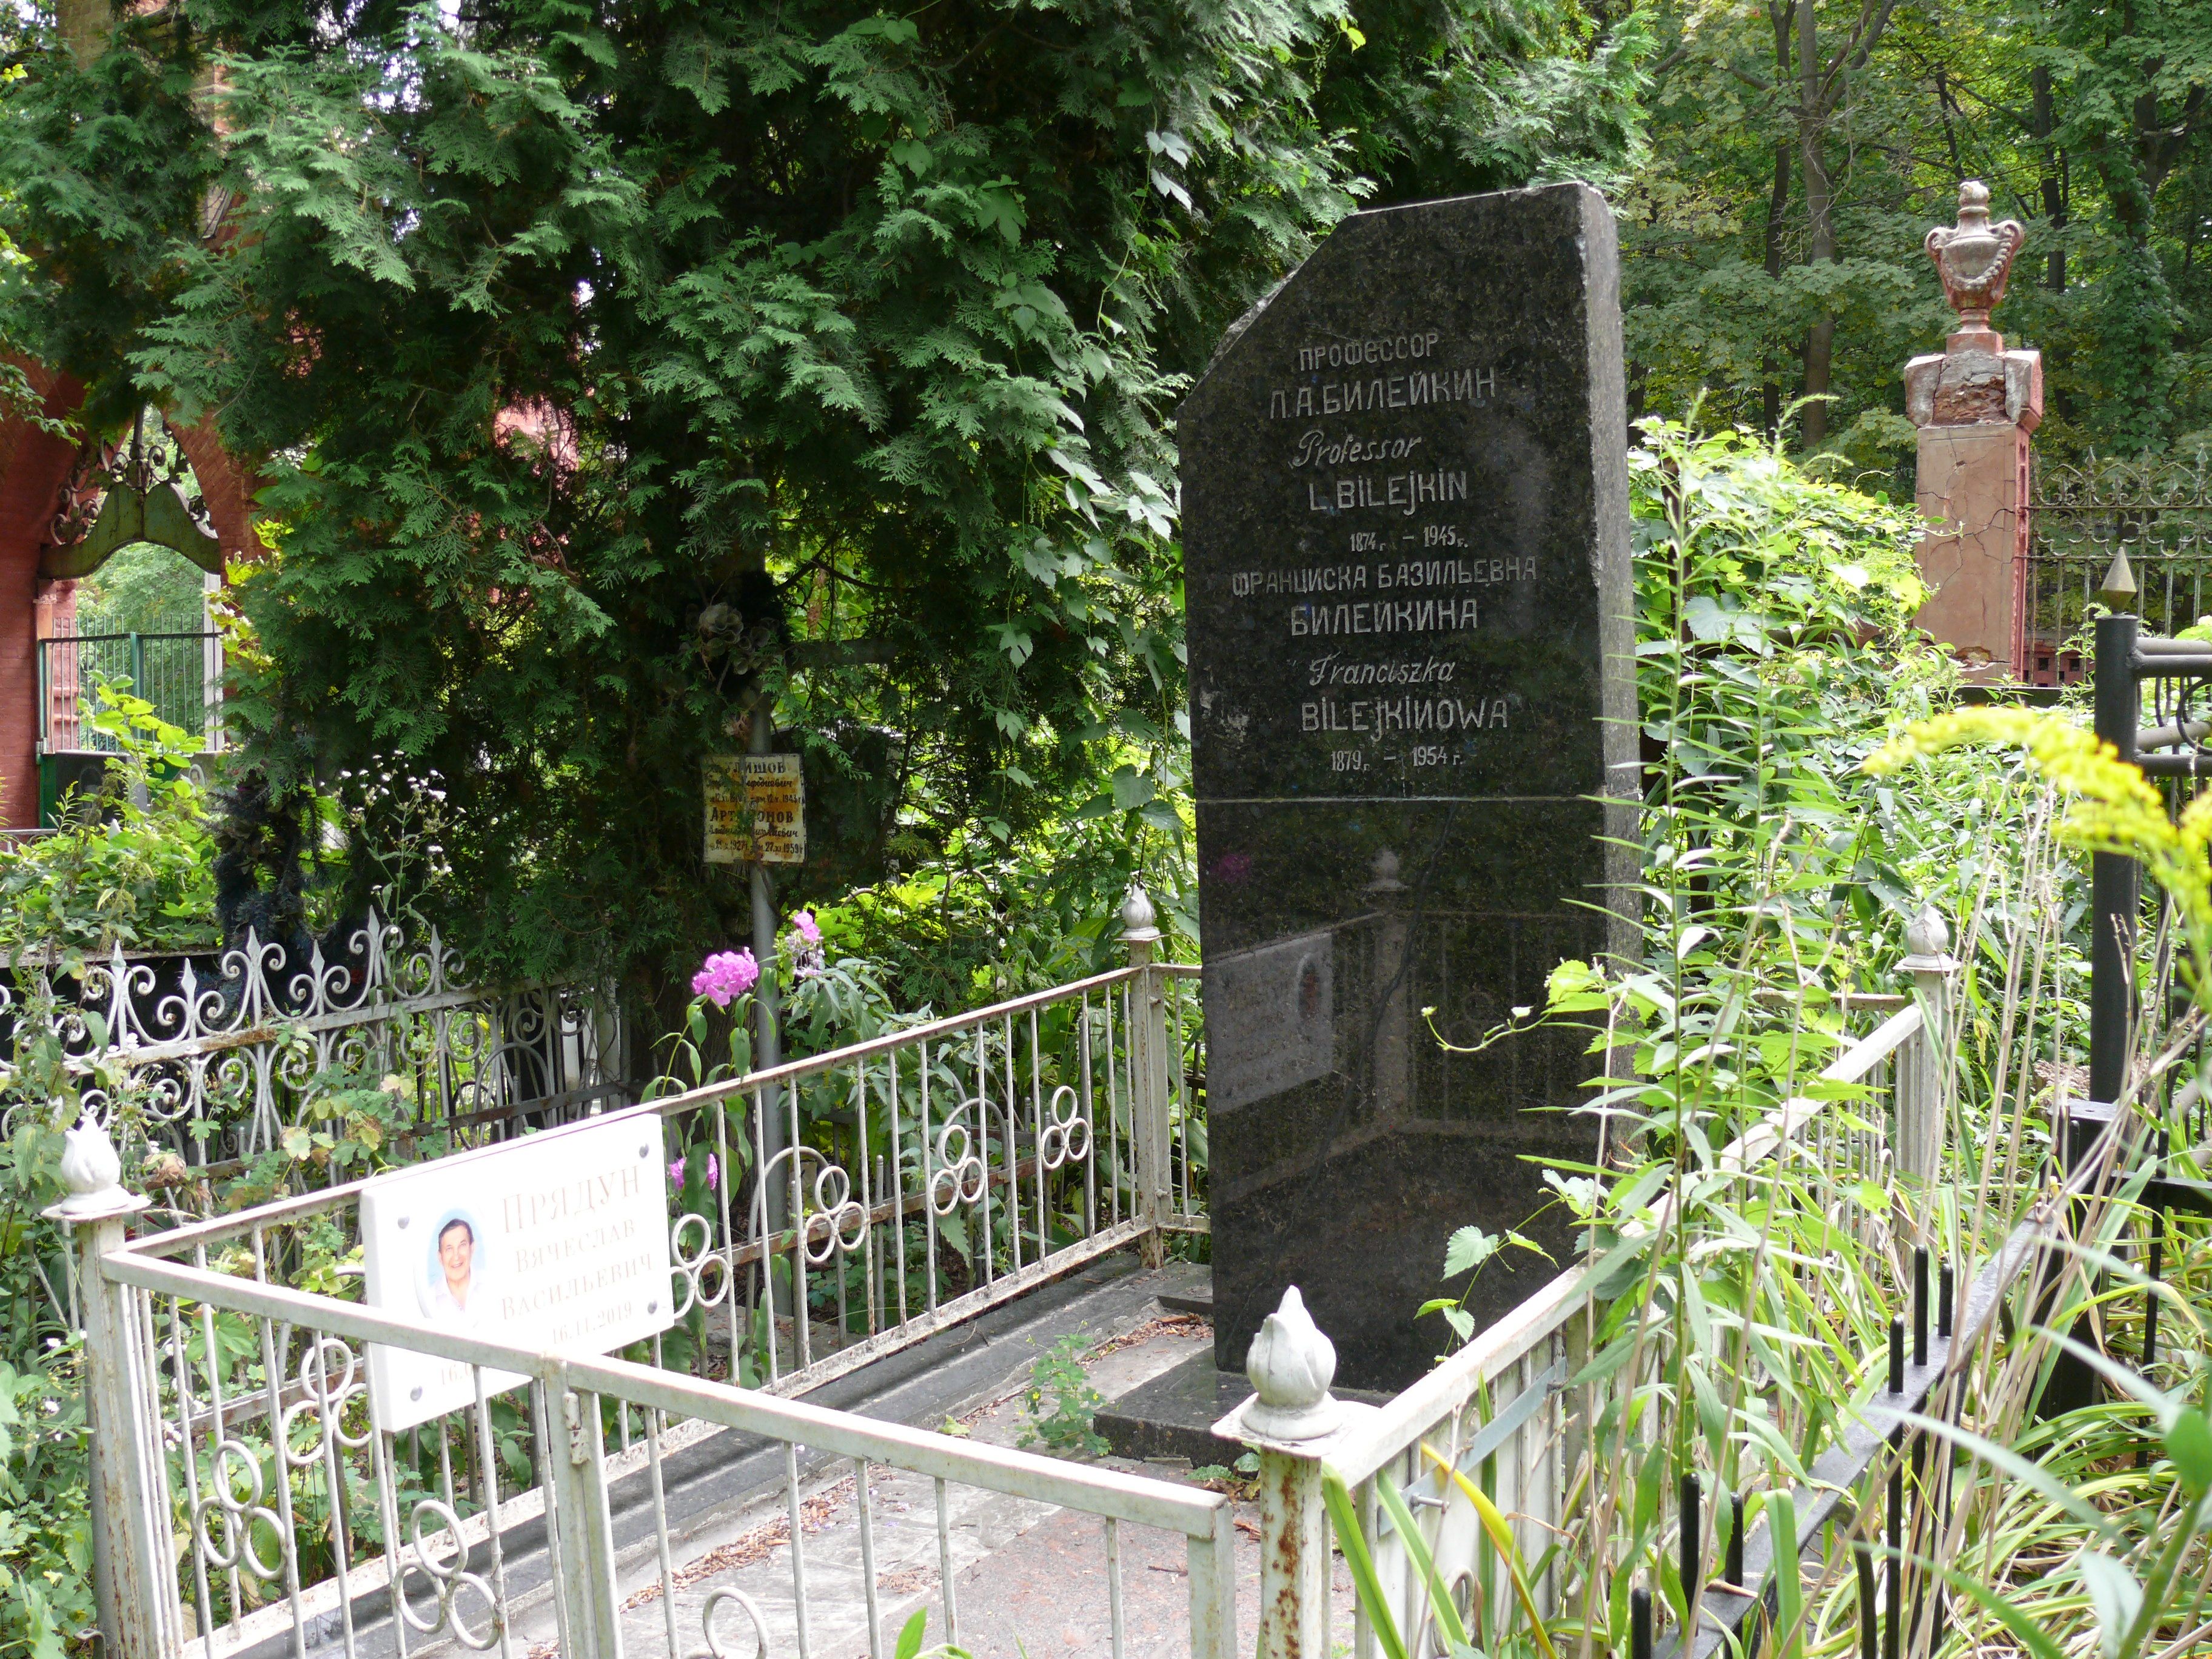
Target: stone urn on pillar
(1975,404)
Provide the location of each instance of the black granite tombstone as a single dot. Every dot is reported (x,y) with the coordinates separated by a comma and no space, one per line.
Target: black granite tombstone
(1413,700)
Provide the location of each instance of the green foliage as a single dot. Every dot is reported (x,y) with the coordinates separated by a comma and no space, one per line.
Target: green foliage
(45,1531)
(592,359)
(354,1125)
(132,867)
(1240,1479)
(1059,1403)
(1763,211)
(916,1632)
(107,167)
(1775,654)
(143,589)
(45,1562)
(988,921)
(1465,1251)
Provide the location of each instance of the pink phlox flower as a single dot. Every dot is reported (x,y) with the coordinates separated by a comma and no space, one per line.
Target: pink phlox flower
(725,976)
(714,1172)
(806,957)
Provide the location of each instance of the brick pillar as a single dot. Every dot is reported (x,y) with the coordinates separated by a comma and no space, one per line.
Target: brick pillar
(1976,404)
(227,491)
(32,466)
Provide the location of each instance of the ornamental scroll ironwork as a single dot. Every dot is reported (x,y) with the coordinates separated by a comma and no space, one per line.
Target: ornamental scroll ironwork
(2180,720)
(216,1055)
(124,492)
(2157,507)
(247,1523)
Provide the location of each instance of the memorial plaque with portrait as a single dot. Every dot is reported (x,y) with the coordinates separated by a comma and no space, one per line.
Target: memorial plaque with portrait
(556,1241)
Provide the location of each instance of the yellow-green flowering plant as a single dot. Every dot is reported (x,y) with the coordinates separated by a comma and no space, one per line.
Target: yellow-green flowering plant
(2111,807)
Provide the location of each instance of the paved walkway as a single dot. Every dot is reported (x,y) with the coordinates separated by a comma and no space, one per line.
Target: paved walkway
(1029,1579)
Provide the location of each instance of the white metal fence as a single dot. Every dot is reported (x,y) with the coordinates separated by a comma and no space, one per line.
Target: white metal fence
(851,1205)
(248,1504)
(936,1171)
(216,1057)
(298,1510)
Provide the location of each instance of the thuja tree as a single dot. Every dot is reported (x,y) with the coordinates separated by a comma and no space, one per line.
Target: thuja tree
(610,364)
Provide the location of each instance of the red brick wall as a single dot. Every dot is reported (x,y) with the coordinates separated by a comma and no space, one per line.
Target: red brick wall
(226,490)
(32,467)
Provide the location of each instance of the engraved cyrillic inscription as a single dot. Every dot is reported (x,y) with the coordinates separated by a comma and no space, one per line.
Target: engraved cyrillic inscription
(1418,581)
(1383,349)
(1419,390)
(1383,616)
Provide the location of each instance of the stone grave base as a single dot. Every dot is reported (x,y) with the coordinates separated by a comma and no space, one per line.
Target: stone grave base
(1173,1415)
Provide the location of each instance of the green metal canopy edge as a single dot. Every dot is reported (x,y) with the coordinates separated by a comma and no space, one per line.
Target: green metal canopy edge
(157,515)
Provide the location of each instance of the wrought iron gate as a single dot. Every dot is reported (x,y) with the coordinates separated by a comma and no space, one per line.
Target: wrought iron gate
(2158,507)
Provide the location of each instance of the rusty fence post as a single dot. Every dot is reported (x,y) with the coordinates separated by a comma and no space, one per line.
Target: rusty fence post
(139,1614)
(1291,1421)
(1150,1046)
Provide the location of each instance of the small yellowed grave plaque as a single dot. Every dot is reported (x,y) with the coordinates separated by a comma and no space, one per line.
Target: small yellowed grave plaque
(755,810)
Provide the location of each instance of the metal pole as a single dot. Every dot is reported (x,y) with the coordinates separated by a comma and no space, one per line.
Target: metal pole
(1293,1558)
(1920,1117)
(583,1535)
(1148,1066)
(1291,1420)
(210,668)
(768,1044)
(2112,881)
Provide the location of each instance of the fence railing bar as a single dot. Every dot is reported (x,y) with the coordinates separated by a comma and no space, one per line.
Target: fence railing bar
(147,1270)
(1138,1500)
(792,1071)
(1006,1288)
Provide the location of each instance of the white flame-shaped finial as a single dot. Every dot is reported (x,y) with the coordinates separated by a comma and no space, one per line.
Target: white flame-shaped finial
(91,1171)
(1927,942)
(1291,1364)
(1138,919)
(1928,935)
